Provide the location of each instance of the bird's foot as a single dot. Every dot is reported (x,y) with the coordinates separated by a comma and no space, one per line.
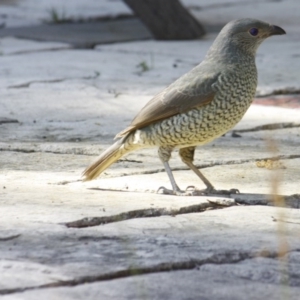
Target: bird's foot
(177,192)
(210,191)
(193,191)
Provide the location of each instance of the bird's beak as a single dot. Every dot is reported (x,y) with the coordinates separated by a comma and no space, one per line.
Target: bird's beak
(276,30)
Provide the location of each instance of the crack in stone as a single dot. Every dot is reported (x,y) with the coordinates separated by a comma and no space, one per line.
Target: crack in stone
(226,4)
(63,48)
(77,151)
(272,126)
(218,259)
(8,238)
(21,150)
(8,120)
(277,92)
(213,164)
(291,201)
(65,182)
(29,83)
(140,213)
(288,201)
(104,18)
(159,170)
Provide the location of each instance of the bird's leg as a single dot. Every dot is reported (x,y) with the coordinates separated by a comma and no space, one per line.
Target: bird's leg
(175,189)
(187,156)
(164,154)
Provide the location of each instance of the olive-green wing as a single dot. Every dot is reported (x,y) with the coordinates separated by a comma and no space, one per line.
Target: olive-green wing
(184,94)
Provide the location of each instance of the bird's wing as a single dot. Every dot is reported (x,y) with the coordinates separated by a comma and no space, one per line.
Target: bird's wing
(186,93)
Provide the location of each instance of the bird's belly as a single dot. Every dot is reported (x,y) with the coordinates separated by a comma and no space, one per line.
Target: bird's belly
(197,126)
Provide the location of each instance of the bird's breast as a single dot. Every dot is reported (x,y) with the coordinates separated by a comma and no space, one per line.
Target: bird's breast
(200,125)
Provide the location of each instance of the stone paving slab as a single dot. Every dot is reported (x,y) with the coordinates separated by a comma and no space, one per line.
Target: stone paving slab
(270,61)
(209,12)
(12,46)
(34,12)
(83,35)
(87,254)
(111,83)
(182,287)
(69,104)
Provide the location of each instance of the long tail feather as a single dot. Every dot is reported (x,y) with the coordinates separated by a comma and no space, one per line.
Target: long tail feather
(107,158)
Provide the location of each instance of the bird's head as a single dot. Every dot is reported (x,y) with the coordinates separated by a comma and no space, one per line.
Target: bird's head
(245,35)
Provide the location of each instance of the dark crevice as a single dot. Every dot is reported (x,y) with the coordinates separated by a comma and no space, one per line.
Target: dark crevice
(63,48)
(213,164)
(272,126)
(292,201)
(104,18)
(9,238)
(228,4)
(26,151)
(278,92)
(140,213)
(7,120)
(29,83)
(218,259)
(153,171)
(73,151)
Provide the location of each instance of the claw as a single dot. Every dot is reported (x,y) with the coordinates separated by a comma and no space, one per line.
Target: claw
(210,191)
(234,191)
(193,191)
(165,191)
(190,187)
(225,192)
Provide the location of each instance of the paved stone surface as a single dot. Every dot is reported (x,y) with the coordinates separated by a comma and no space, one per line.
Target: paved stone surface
(15,13)
(60,107)
(83,35)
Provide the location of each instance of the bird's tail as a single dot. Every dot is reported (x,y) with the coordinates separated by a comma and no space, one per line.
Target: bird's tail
(107,158)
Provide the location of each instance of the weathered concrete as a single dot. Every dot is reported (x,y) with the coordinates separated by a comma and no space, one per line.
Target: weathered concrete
(83,35)
(16,13)
(182,242)
(69,104)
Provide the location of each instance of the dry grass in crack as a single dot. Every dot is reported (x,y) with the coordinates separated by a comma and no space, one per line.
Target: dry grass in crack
(56,16)
(144,66)
(271,164)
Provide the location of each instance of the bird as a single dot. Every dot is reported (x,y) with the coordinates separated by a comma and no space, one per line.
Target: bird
(197,108)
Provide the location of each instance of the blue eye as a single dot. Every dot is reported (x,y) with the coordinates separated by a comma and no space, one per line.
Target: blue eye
(253,31)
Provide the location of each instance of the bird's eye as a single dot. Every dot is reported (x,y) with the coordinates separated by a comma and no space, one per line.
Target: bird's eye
(253,31)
